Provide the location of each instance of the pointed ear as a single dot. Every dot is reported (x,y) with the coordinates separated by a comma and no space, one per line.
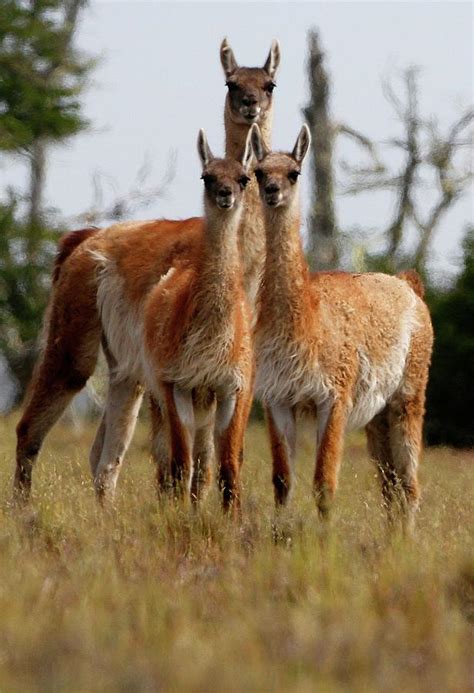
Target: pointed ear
(228,60)
(302,144)
(248,151)
(273,60)
(204,152)
(259,149)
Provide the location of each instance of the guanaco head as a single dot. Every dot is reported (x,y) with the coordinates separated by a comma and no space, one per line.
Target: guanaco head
(277,172)
(224,179)
(250,88)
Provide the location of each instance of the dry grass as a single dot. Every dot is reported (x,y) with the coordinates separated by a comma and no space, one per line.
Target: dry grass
(147,597)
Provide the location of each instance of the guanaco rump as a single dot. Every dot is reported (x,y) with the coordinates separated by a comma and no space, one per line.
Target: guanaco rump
(354,348)
(143,253)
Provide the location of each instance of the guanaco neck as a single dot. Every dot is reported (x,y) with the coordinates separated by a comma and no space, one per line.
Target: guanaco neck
(252,230)
(285,292)
(219,274)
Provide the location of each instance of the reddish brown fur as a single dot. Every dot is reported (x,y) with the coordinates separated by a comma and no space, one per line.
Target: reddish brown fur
(143,252)
(198,316)
(342,343)
(412,277)
(281,461)
(67,244)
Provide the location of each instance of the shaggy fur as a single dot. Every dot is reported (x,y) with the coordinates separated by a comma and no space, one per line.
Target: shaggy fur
(67,244)
(354,348)
(193,328)
(127,260)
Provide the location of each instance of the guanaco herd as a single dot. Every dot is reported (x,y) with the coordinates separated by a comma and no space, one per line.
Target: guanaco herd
(203,313)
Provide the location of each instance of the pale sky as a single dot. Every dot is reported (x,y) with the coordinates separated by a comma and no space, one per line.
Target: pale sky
(159,80)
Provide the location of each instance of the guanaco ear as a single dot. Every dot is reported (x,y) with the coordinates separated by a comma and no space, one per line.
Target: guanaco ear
(273,60)
(258,145)
(302,144)
(204,151)
(229,63)
(248,151)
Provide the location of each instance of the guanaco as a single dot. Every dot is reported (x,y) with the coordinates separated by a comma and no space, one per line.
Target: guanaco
(194,327)
(354,348)
(143,252)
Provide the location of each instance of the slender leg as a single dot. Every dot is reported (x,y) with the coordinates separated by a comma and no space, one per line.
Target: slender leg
(65,366)
(203,456)
(97,445)
(248,406)
(282,430)
(179,408)
(230,427)
(203,450)
(123,408)
(405,421)
(160,446)
(331,425)
(405,431)
(378,445)
(45,408)
(123,404)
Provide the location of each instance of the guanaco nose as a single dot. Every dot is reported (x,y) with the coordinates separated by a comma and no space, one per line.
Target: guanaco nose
(224,191)
(272,188)
(249,100)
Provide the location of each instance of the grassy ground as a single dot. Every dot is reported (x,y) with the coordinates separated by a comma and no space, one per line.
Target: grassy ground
(147,597)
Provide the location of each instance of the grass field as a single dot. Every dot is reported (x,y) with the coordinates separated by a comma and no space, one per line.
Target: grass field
(149,597)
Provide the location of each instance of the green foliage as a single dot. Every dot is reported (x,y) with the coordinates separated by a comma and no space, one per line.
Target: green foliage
(40,75)
(450,403)
(25,265)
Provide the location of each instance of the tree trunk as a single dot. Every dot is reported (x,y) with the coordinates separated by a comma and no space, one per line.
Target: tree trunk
(37,181)
(323,233)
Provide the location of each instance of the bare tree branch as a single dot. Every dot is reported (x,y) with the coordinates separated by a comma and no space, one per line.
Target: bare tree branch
(422,143)
(365,142)
(137,198)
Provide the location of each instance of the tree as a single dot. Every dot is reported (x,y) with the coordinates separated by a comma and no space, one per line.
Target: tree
(429,182)
(428,155)
(323,251)
(41,78)
(450,397)
(324,233)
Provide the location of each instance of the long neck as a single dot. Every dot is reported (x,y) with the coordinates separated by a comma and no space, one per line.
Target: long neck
(252,229)
(285,289)
(219,273)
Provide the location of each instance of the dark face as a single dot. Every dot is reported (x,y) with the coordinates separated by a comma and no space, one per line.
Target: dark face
(277,175)
(250,94)
(224,181)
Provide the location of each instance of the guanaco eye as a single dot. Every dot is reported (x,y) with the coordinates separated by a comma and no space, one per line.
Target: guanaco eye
(269,87)
(231,86)
(259,174)
(208,179)
(293,176)
(243,180)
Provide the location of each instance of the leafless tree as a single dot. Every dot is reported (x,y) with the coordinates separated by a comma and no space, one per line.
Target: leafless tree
(426,151)
(324,241)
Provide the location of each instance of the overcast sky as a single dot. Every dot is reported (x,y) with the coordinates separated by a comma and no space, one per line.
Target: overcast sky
(159,80)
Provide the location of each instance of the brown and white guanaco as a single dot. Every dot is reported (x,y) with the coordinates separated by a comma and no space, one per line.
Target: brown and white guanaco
(354,348)
(194,328)
(143,252)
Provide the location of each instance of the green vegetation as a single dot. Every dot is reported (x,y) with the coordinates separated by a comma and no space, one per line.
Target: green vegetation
(42,76)
(450,389)
(156,597)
